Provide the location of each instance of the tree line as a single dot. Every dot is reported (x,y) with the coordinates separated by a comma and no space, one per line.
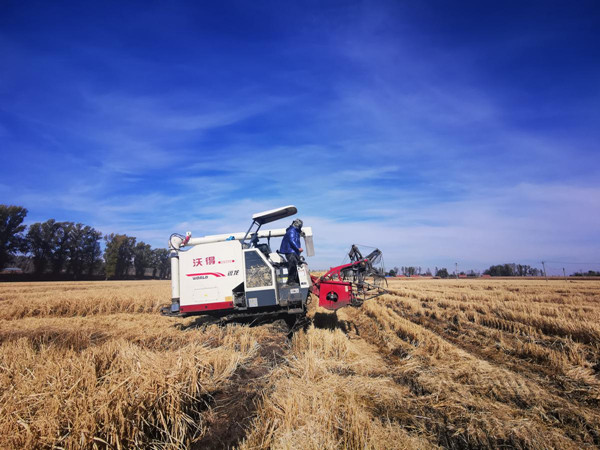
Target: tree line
(513,270)
(589,273)
(411,271)
(499,270)
(57,249)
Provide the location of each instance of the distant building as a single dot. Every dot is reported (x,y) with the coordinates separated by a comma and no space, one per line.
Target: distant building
(12,270)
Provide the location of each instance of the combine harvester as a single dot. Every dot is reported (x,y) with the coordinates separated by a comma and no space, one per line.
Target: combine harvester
(237,275)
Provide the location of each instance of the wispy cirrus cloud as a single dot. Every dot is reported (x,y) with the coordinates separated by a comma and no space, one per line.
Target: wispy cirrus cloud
(433,140)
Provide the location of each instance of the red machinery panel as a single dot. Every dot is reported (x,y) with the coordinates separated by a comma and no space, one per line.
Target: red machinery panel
(206,307)
(334,294)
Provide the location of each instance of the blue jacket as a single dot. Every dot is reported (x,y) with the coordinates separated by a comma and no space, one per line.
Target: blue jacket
(291,241)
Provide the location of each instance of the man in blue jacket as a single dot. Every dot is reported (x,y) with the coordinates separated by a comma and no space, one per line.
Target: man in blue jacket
(290,247)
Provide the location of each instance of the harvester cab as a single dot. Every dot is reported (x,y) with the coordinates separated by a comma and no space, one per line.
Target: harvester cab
(237,273)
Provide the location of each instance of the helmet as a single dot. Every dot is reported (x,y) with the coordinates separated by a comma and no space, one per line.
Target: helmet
(297,224)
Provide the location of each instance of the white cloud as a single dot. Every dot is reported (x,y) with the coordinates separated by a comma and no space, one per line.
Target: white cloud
(406,152)
(173,113)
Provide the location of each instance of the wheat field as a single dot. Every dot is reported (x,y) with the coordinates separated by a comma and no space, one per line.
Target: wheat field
(431,364)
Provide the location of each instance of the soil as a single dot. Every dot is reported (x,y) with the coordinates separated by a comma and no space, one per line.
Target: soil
(232,410)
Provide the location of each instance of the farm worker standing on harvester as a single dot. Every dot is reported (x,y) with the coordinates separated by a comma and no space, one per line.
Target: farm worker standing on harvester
(290,247)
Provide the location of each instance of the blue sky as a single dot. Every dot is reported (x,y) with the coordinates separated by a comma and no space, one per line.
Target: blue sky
(438,131)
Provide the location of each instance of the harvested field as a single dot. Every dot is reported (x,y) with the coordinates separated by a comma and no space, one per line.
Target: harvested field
(435,363)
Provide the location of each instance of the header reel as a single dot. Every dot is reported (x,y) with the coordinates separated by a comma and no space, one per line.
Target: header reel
(353,283)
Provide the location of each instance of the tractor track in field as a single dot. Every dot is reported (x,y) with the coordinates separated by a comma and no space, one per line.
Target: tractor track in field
(461,334)
(357,325)
(560,388)
(568,404)
(436,364)
(544,379)
(232,409)
(435,419)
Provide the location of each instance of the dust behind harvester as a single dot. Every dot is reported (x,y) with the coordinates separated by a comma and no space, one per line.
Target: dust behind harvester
(239,274)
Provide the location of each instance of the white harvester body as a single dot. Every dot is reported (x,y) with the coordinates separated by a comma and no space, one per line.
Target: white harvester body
(231,273)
